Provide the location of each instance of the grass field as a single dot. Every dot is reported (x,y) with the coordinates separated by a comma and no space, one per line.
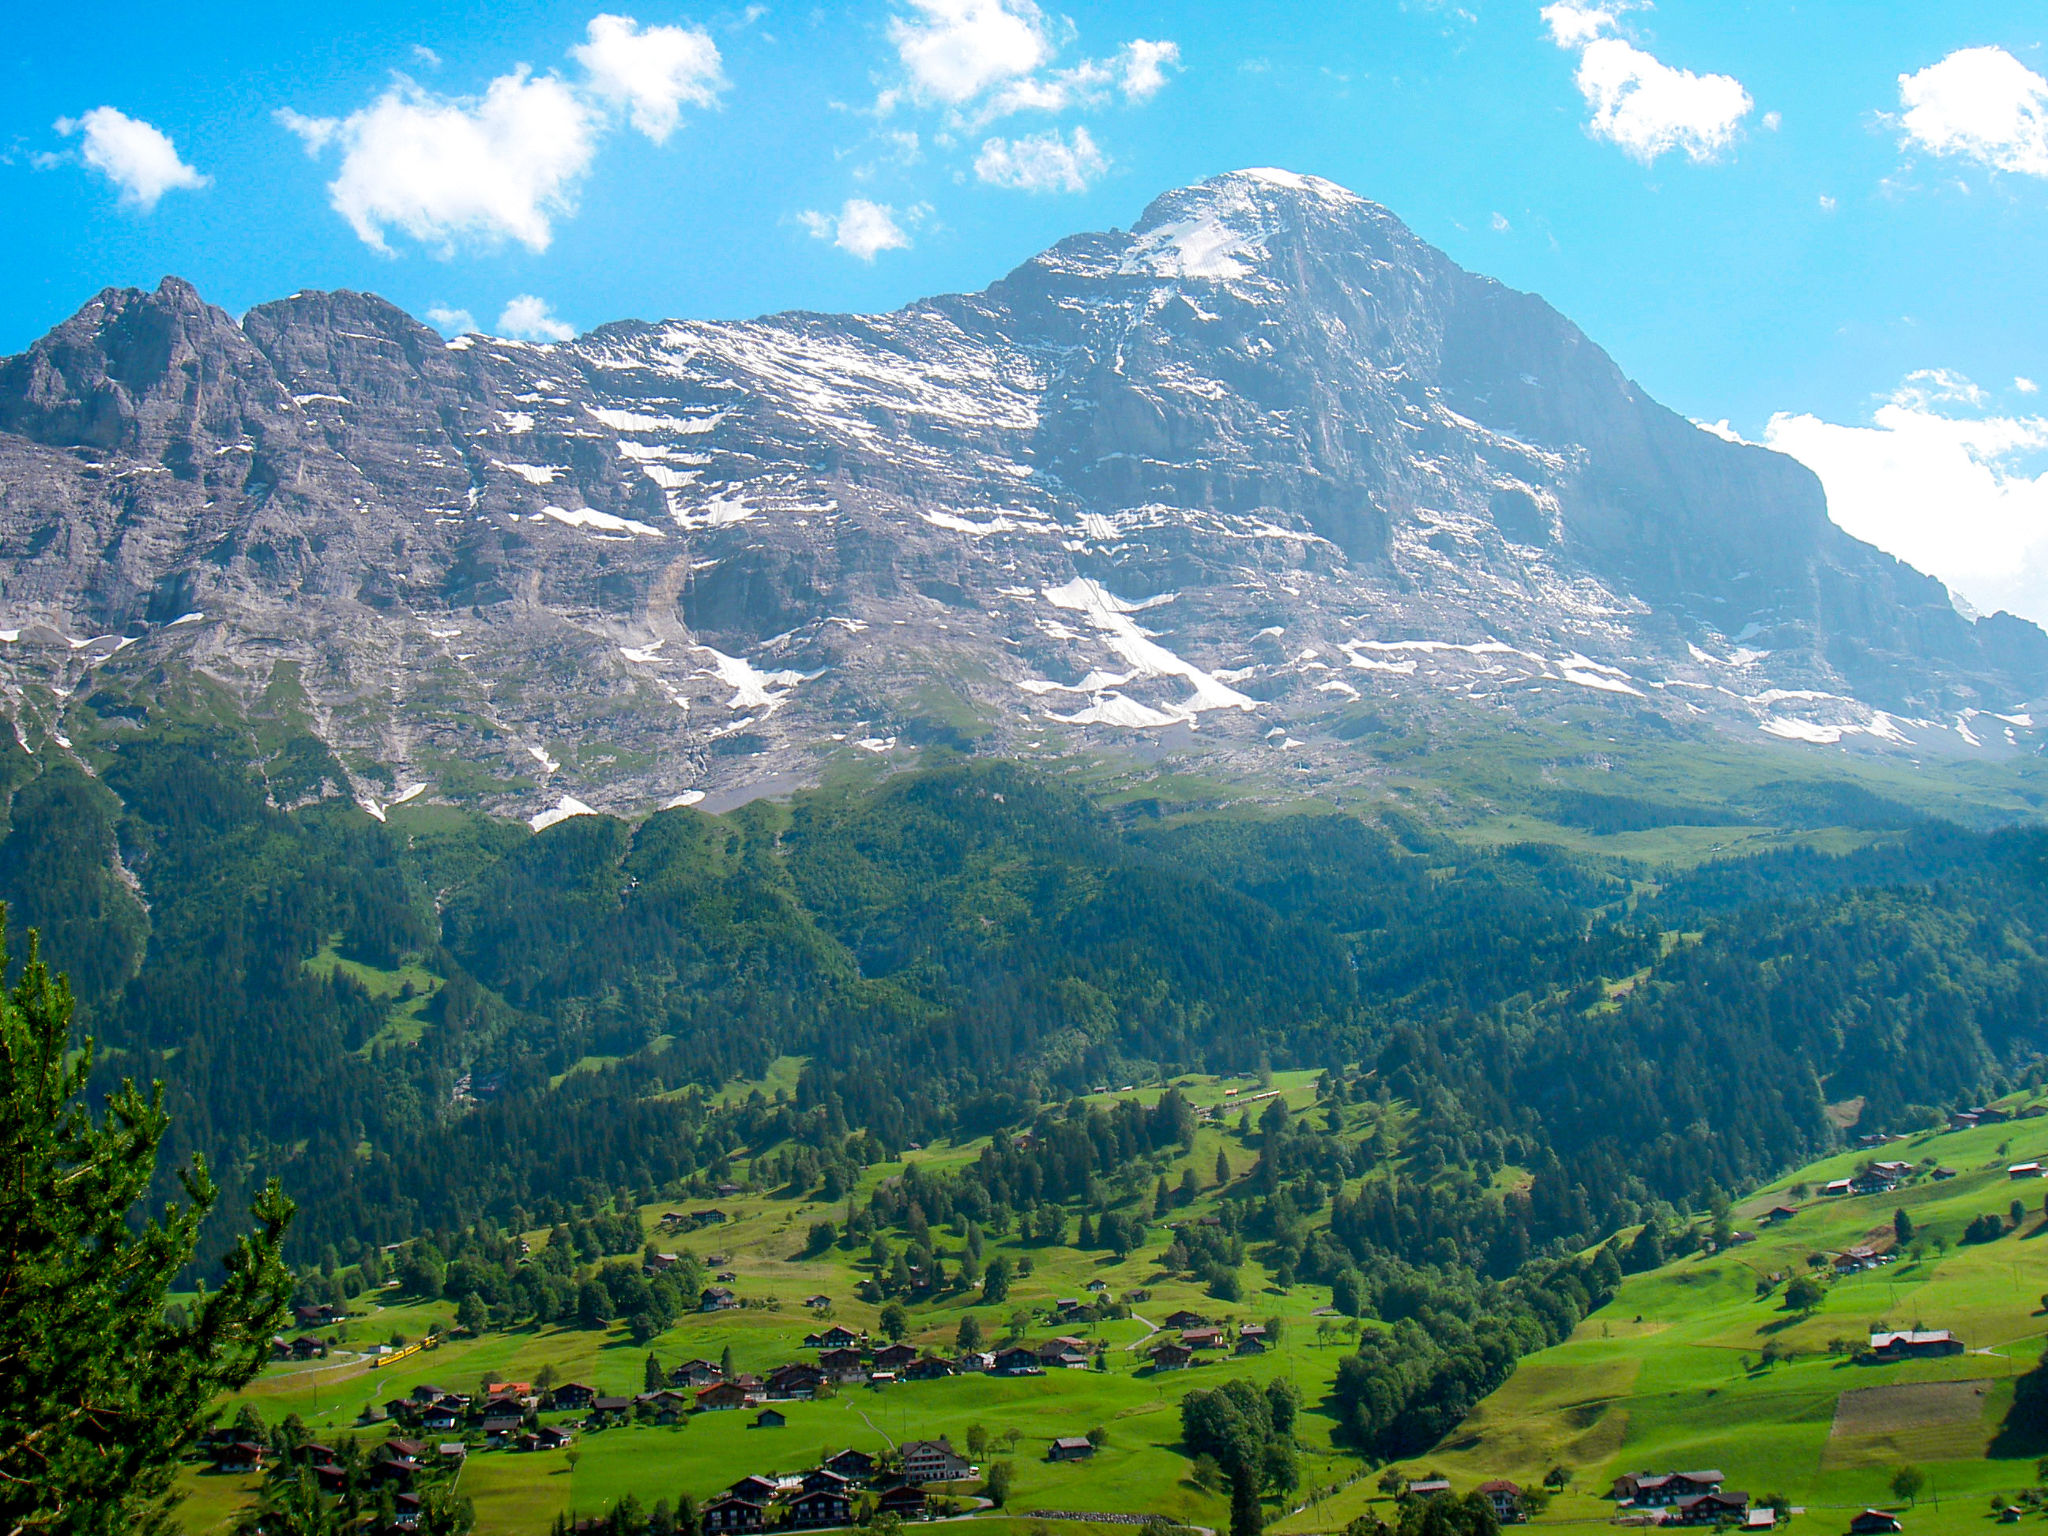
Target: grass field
(1669,1375)
(1139,1470)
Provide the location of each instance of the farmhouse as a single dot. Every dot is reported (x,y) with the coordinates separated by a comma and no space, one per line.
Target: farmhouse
(1178,1320)
(854,1466)
(933,1461)
(1780,1213)
(1017,1361)
(238,1456)
(1172,1357)
(905,1503)
(725,1395)
(572,1396)
(2024,1171)
(822,1507)
(1506,1499)
(734,1514)
(1428,1488)
(801,1380)
(842,1364)
(1914,1344)
(717,1298)
(1658,1489)
(1711,1508)
(1874,1522)
(770,1418)
(1071,1448)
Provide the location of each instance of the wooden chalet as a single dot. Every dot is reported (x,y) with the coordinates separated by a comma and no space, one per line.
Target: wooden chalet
(853,1465)
(1506,1499)
(905,1503)
(730,1514)
(819,1508)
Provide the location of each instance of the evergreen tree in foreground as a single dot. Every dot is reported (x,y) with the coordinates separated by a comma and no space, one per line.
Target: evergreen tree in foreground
(100,1390)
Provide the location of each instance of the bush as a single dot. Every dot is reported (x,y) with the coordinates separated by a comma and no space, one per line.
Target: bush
(1984,1229)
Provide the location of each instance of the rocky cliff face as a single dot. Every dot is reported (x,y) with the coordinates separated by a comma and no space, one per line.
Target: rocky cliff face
(1236,472)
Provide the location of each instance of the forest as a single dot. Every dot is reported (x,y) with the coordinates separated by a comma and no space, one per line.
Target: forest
(1523,1051)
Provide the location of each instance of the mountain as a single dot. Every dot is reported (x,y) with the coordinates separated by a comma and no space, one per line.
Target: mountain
(1243,476)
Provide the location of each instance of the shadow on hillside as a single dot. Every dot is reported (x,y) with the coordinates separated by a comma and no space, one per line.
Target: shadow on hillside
(2023,1436)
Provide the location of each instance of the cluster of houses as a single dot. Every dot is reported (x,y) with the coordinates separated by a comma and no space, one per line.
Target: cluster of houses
(308,1316)
(397,1463)
(1877,1178)
(504,1416)
(1198,1334)
(1505,1497)
(1687,1498)
(825,1495)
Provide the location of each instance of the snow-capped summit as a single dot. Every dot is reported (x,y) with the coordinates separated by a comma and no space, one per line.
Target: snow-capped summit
(1236,471)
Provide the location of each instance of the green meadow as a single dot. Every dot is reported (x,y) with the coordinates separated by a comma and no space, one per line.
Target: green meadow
(1672,1374)
(1140,1468)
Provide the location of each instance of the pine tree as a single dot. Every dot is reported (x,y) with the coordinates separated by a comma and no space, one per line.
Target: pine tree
(100,1388)
(725,1364)
(1222,1168)
(652,1376)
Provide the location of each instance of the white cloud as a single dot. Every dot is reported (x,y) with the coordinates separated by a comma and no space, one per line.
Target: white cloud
(1981,104)
(1500,224)
(2025,385)
(1143,65)
(457,322)
(139,159)
(530,319)
(426,55)
(1041,162)
(446,170)
(653,73)
(1640,103)
(1962,496)
(860,228)
(953,50)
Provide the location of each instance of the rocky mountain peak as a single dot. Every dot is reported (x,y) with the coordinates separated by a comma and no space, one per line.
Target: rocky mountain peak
(139,373)
(1229,477)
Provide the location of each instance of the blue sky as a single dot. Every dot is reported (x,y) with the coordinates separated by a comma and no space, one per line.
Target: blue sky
(1825,224)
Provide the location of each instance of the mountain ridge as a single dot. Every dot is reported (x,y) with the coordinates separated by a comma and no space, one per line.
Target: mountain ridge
(1231,477)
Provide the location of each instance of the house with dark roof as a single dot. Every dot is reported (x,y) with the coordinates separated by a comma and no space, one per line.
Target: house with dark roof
(729,1514)
(1709,1508)
(855,1466)
(905,1503)
(1017,1361)
(1071,1448)
(819,1508)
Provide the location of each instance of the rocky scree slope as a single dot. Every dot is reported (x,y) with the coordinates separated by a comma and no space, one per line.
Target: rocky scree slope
(1238,472)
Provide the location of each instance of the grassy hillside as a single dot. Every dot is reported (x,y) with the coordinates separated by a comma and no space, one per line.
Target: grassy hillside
(1671,1375)
(1141,1468)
